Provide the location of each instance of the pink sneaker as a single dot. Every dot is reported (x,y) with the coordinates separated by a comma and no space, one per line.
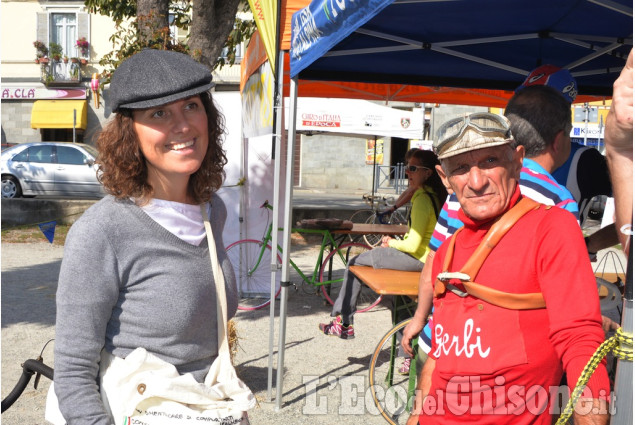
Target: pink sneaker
(336,328)
(404,369)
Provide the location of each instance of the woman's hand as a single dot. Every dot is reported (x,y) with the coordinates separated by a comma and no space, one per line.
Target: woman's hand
(385,240)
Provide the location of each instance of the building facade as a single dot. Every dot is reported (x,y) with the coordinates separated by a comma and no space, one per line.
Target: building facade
(49,98)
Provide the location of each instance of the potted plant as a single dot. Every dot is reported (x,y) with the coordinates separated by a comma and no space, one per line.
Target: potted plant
(83,45)
(83,61)
(74,60)
(40,51)
(74,72)
(56,51)
(65,59)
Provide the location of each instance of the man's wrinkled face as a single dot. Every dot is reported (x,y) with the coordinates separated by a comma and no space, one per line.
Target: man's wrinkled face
(484,179)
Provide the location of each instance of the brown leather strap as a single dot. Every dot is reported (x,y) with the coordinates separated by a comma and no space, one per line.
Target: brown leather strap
(439,287)
(496,233)
(473,264)
(508,300)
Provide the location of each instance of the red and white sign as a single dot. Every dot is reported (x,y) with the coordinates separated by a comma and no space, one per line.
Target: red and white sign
(321,120)
(35,93)
(356,116)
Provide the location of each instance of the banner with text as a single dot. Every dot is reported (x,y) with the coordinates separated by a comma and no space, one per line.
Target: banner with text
(324,23)
(356,116)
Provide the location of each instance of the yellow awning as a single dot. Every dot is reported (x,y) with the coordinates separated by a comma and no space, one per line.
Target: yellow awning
(59,114)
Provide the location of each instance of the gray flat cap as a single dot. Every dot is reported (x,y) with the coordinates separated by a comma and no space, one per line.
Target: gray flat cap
(155,77)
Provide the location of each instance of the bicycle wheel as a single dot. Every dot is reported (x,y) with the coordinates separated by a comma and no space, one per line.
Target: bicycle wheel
(398,218)
(388,387)
(333,262)
(359,216)
(374,239)
(253,275)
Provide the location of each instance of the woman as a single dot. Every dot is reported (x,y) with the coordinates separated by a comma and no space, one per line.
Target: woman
(407,254)
(136,270)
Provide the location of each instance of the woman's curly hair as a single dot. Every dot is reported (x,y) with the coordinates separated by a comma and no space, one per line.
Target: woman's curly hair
(123,170)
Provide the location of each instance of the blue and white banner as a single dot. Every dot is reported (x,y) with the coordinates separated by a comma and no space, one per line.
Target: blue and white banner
(324,23)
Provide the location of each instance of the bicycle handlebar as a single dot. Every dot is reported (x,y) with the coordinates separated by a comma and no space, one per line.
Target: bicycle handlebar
(29,368)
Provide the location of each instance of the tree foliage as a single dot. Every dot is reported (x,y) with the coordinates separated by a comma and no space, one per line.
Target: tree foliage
(211,25)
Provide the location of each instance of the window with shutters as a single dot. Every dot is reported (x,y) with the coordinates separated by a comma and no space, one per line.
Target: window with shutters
(63,26)
(64,32)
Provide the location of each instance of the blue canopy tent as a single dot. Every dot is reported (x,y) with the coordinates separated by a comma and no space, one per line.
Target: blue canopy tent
(489,44)
(484,44)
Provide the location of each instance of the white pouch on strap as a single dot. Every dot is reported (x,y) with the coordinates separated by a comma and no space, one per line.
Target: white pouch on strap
(144,388)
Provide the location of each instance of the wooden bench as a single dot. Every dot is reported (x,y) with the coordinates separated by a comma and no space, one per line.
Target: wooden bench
(388,281)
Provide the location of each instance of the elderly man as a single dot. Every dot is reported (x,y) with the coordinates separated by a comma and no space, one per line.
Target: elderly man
(505,327)
(541,121)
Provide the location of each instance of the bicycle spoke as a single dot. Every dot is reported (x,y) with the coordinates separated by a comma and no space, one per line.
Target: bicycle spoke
(251,265)
(372,240)
(389,388)
(332,275)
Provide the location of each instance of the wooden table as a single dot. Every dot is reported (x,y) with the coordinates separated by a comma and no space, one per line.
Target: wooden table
(377,229)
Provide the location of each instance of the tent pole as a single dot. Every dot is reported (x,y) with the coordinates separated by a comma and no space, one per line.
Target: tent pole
(275,149)
(286,247)
(624,371)
(372,197)
(277,113)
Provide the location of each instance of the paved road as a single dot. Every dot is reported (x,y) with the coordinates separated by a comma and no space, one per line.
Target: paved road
(318,370)
(320,373)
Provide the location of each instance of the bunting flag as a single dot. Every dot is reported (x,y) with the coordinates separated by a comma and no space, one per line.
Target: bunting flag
(265,12)
(48,229)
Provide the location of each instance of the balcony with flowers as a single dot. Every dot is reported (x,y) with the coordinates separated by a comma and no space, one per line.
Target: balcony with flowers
(57,69)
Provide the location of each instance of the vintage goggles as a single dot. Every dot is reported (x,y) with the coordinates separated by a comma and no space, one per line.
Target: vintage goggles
(485,123)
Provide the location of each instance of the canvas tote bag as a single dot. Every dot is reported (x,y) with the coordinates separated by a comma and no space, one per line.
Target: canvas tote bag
(143,389)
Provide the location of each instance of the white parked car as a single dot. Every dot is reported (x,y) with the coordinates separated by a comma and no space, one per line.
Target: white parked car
(50,168)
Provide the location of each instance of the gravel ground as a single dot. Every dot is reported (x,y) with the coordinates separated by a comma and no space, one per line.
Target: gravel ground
(325,378)
(318,370)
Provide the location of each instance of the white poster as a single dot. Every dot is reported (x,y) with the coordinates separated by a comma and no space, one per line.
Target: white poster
(356,116)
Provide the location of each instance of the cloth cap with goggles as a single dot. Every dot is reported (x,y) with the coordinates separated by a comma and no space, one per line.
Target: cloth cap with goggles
(475,131)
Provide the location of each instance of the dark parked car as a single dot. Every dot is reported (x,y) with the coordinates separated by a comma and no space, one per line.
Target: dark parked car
(50,168)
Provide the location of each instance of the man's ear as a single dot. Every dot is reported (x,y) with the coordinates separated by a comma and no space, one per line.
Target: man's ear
(519,155)
(444,179)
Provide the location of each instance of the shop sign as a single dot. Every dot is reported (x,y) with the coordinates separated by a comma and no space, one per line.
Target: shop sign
(35,93)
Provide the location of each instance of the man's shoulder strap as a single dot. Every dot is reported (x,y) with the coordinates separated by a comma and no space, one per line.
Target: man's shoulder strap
(489,242)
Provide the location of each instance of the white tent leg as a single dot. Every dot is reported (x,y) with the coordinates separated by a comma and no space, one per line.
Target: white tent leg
(278,116)
(286,247)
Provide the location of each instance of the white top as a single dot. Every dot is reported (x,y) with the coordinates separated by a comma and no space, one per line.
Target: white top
(182,220)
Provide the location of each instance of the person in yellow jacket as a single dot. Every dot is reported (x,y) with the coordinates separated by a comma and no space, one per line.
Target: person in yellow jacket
(407,254)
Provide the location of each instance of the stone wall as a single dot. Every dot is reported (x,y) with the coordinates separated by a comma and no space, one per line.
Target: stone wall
(337,162)
(17,212)
(16,122)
